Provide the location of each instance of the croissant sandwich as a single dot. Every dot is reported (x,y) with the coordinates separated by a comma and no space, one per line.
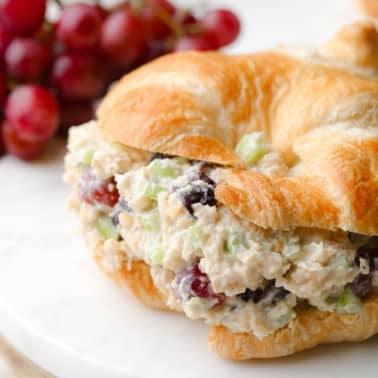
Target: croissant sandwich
(241,190)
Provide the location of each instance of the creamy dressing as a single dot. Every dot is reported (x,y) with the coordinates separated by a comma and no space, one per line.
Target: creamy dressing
(159,229)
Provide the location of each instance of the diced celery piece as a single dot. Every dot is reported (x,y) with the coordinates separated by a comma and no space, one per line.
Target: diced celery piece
(84,156)
(157,255)
(151,221)
(151,190)
(195,236)
(348,303)
(107,228)
(252,147)
(87,157)
(234,242)
(161,169)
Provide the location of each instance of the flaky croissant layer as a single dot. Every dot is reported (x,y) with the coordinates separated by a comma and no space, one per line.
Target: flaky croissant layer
(242,190)
(320,118)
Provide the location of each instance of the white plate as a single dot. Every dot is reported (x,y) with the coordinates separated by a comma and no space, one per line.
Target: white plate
(58,309)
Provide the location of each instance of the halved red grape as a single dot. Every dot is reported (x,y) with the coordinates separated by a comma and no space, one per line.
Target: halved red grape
(22,17)
(74,113)
(33,113)
(122,38)
(196,42)
(27,59)
(77,76)
(79,26)
(93,190)
(223,24)
(5,39)
(18,147)
(195,283)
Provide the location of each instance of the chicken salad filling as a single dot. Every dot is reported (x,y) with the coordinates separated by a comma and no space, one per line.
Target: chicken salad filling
(210,263)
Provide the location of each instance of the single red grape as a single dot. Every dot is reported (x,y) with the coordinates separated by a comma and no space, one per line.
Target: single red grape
(27,59)
(79,26)
(122,37)
(223,24)
(22,17)
(93,190)
(3,88)
(77,76)
(33,113)
(5,39)
(195,283)
(196,42)
(156,16)
(74,113)
(18,147)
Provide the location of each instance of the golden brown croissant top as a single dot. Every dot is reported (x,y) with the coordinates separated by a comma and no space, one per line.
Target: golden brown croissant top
(356,44)
(322,119)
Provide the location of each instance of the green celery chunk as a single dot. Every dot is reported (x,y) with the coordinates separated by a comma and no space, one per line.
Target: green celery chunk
(234,242)
(348,303)
(87,157)
(151,221)
(252,147)
(161,169)
(151,190)
(195,236)
(157,255)
(84,156)
(107,228)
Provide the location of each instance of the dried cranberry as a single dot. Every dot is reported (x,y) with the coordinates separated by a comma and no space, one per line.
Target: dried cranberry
(369,252)
(279,294)
(93,190)
(362,285)
(356,238)
(254,295)
(197,284)
(202,174)
(199,194)
(201,189)
(276,294)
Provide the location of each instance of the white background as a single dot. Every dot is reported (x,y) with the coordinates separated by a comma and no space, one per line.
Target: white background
(59,310)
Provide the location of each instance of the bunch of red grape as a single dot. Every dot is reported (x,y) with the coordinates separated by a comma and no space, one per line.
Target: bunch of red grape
(51,74)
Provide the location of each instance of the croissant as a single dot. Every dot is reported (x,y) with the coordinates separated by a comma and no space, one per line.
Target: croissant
(370,7)
(241,190)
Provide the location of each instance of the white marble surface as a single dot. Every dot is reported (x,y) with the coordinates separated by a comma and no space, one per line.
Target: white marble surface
(58,310)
